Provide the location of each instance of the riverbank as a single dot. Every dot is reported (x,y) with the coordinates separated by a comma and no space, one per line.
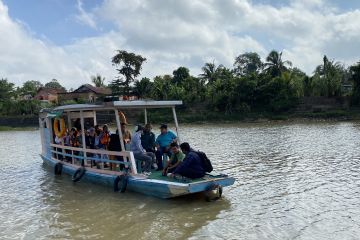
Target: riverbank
(8,128)
(216,117)
(186,117)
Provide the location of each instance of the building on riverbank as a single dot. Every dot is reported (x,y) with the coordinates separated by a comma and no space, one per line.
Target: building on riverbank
(48,94)
(85,93)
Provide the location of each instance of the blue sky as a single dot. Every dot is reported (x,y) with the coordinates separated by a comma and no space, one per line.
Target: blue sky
(70,40)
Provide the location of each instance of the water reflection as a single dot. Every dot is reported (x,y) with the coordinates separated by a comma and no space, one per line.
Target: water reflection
(294,181)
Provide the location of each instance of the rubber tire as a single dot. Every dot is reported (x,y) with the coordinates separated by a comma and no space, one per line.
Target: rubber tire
(78,174)
(58,168)
(209,196)
(123,180)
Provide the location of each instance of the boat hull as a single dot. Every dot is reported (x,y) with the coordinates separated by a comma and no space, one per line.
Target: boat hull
(141,184)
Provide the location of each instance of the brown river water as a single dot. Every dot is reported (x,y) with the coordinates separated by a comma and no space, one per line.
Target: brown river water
(293,181)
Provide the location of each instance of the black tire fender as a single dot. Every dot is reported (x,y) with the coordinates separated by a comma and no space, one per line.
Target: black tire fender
(78,174)
(120,183)
(58,168)
(210,196)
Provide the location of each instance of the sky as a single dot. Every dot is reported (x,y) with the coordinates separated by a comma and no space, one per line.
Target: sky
(71,40)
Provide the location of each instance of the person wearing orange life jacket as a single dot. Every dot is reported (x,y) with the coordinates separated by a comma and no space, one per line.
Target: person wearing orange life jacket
(104,138)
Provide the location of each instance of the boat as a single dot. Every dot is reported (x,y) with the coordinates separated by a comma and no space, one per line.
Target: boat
(79,162)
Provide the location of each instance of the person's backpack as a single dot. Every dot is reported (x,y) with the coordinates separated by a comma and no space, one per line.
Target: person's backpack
(205,161)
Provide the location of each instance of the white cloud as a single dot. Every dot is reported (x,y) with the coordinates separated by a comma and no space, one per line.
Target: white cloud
(85,17)
(171,33)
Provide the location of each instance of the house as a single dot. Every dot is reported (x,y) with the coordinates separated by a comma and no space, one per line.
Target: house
(85,93)
(48,94)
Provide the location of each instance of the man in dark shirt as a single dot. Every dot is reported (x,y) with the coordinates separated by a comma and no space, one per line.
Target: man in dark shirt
(148,139)
(191,166)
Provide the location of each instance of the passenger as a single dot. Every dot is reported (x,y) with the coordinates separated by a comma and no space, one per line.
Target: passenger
(97,130)
(140,153)
(126,133)
(90,142)
(148,139)
(191,166)
(74,138)
(176,158)
(104,138)
(115,145)
(163,142)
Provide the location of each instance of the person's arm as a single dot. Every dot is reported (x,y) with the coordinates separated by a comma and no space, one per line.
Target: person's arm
(138,143)
(152,140)
(184,164)
(175,165)
(157,142)
(173,136)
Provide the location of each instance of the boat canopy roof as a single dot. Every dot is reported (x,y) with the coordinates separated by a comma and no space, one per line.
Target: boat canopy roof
(119,105)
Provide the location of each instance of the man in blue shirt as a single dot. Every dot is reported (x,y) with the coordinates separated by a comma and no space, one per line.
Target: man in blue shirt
(163,142)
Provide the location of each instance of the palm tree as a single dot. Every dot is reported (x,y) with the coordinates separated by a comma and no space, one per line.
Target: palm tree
(275,65)
(98,81)
(331,73)
(210,72)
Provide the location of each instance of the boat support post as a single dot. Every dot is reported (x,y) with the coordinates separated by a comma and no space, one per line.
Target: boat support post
(83,136)
(176,124)
(145,114)
(132,159)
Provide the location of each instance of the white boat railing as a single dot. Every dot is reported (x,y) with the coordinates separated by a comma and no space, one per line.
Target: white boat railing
(81,156)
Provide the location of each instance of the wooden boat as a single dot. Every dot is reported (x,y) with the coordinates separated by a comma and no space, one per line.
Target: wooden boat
(78,162)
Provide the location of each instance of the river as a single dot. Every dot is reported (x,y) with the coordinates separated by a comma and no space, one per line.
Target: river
(293,181)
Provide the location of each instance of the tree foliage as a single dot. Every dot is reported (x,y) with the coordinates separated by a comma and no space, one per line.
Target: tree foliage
(248,63)
(30,87)
(6,89)
(54,83)
(98,80)
(128,65)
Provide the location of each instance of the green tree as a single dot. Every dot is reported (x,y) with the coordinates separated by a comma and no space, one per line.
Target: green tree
(180,75)
(248,63)
(6,89)
(328,78)
(161,87)
(129,65)
(30,87)
(143,88)
(211,72)
(98,80)
(355,78)
(54,83)
(275,65)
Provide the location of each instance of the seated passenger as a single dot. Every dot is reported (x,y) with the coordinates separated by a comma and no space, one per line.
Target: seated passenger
(140,153)
(126,133)
(148,139)
(176,158)
(191,166)
(163,142)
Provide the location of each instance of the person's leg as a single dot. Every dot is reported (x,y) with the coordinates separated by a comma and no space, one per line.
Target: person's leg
(159,153)
(146,159)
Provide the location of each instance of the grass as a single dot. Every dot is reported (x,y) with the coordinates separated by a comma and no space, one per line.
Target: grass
(9,128)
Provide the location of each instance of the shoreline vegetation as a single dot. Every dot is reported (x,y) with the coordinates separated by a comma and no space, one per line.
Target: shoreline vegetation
(252,90)
(185,118)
